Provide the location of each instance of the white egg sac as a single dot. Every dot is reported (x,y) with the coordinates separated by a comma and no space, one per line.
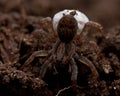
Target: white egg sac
(81,18)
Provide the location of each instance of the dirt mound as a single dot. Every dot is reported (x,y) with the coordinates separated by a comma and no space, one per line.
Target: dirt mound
(23,33)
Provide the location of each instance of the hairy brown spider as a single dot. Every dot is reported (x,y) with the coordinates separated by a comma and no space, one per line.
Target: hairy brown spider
(67,24)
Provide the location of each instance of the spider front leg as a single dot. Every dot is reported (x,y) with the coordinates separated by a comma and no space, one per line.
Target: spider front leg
(40,53)
(74,72)
(92,24)
(55,47)
(88,63)
(50,60)
(45,66)
(69,52)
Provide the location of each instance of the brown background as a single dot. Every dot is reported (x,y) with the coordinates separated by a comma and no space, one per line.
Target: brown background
(105,12)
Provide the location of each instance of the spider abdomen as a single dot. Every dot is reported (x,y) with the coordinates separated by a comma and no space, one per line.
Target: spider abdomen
(67,28)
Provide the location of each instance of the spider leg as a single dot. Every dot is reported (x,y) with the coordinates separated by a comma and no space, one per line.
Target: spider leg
(55,47)
(40,53)
(89,64)
(74,72)
(45,66)
(92,24)
(50,60)
(61,52)
(69,51)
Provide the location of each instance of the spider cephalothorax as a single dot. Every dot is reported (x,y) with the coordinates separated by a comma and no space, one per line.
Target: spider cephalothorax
(67,24)
(67,28)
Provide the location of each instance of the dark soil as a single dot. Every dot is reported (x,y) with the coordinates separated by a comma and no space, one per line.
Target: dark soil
(21,34)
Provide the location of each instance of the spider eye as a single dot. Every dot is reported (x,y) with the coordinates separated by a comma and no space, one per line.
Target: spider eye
(67,28)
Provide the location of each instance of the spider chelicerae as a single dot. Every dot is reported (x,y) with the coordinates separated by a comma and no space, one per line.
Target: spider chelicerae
(67,24)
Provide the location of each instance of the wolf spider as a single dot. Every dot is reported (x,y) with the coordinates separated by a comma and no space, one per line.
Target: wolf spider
(64,50)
